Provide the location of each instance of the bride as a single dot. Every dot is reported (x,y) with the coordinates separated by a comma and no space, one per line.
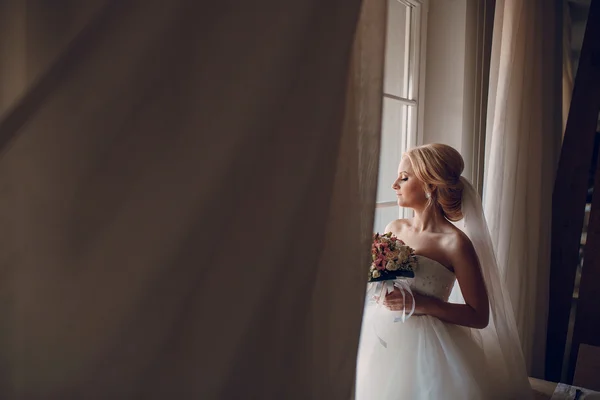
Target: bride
(461,343)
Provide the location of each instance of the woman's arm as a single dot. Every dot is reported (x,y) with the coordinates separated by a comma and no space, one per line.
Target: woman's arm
(475,313)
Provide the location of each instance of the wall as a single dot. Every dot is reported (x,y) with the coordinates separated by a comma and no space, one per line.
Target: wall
(458,44)
(444,89)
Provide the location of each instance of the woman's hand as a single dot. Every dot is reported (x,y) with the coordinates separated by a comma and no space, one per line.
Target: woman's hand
(393,301)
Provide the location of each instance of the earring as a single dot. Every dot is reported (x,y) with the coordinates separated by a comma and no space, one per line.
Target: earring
(427,195)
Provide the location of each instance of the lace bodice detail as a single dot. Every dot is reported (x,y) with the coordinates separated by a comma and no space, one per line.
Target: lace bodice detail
(432,279)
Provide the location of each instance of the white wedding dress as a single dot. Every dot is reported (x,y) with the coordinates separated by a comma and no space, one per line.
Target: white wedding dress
(424,358)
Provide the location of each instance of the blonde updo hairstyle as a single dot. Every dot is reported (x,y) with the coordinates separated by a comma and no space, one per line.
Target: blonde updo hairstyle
(439,167)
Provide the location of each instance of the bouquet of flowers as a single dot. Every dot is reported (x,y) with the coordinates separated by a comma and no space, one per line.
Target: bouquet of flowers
(392,258)
(392,263)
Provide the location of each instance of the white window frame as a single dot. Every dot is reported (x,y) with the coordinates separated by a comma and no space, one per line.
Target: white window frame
(415,78)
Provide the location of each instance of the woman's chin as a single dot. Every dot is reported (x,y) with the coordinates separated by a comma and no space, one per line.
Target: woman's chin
(403,204)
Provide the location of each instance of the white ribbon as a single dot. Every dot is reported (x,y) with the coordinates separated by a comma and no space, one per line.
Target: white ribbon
(385,287)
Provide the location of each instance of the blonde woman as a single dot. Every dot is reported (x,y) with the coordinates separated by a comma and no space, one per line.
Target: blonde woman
(461,343)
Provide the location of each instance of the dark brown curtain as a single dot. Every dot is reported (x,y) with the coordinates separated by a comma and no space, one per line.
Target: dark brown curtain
(186,197)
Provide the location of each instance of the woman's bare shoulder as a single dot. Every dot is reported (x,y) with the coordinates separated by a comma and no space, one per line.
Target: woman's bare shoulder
(458,244)
(397,226)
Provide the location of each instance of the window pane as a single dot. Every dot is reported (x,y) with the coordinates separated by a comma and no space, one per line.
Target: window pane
(411,127)
(393,144)
(384,216)
(397,54)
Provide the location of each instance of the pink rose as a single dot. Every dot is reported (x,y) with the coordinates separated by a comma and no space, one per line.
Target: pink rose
(380,263)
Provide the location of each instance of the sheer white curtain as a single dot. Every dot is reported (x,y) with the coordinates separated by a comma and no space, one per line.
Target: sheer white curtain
(186,195)
(523,139)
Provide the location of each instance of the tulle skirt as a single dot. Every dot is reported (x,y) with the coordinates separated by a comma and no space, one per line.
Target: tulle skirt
(421,358)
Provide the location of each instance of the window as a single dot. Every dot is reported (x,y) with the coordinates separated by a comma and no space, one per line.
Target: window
(401,101)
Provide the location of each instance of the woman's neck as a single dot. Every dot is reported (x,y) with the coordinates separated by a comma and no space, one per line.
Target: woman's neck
(428,219)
